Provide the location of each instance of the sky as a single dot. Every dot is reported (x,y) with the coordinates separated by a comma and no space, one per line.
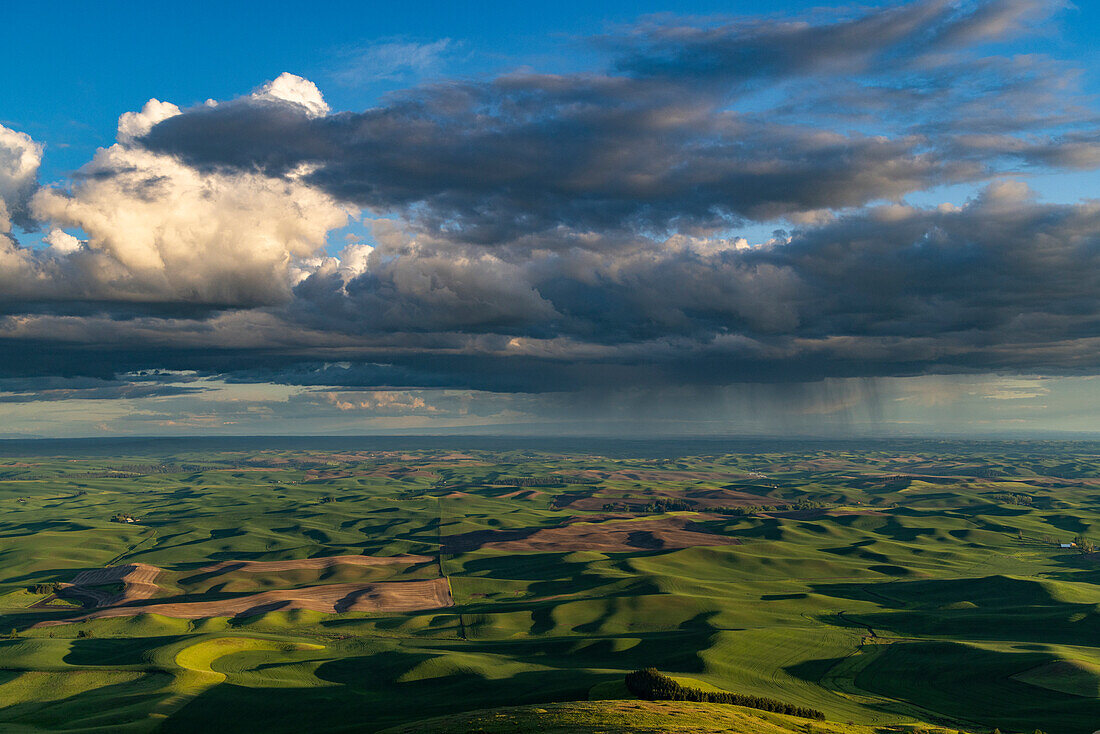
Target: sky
(607,218)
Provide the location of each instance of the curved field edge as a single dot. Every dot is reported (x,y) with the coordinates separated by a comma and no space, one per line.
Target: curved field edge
(196,665)
(624,716)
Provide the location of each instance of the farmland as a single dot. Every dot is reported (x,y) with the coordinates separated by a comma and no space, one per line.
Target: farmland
(343,585)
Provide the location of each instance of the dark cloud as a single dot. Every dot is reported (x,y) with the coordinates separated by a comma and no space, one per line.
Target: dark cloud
(487,163)
(748,51)
(52,389)
(1004,283)
(672,142)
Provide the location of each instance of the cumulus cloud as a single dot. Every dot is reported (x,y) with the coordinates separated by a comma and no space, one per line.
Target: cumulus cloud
(291,89)
(132,125)
(20,158)
(61,242)
(161,232)
(379,402)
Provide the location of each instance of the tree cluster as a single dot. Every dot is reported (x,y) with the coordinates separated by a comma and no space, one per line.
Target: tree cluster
(44,588)
(1014,499)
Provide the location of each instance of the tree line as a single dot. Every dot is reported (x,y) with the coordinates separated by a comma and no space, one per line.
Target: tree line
(651,685)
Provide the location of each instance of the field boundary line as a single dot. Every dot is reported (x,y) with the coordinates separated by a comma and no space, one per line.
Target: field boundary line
(443,572)
(132,549)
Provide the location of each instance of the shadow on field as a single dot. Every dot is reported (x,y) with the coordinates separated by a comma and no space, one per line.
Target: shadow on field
(969,683)
(389,687)
(991,608)
(131,700)
(112,651)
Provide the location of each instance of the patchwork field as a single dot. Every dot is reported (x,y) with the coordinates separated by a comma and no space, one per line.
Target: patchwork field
(339,585)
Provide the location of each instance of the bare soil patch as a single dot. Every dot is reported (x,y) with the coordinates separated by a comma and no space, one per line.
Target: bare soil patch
(306,564)
(318,564)
(523,494)
(387,596)
(138,582)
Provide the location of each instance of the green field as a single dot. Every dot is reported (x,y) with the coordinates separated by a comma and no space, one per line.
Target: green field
(890,584)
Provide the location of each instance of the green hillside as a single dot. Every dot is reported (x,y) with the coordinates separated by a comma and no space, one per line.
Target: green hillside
(903,584)
(628,717)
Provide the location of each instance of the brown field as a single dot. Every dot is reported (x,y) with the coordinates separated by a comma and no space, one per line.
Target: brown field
(318,564)
(608,537)
(390,596)
(138,580)
(139,584)
(523,494)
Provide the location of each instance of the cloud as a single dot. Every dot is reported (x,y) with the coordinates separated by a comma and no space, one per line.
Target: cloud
(674,137)
(569,233)
(132,125)
(751,50)
(394,60)
(161,232)
(54,389)
(378,402)
(290,89)
(62,242)
(1004,283)
(20,158)
(487,163)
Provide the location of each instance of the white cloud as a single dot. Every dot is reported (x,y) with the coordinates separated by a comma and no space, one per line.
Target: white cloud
(383,402)
(133,125)
(159,230)
(296,90)
(61,242)
(20,157)
(355,259)
(395,60)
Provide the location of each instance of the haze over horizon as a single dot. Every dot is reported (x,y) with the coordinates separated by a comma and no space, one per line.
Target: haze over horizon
(642,219)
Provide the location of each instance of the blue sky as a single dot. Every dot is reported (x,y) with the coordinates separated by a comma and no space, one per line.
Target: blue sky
(563,217)
(81,65)
(77,77)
